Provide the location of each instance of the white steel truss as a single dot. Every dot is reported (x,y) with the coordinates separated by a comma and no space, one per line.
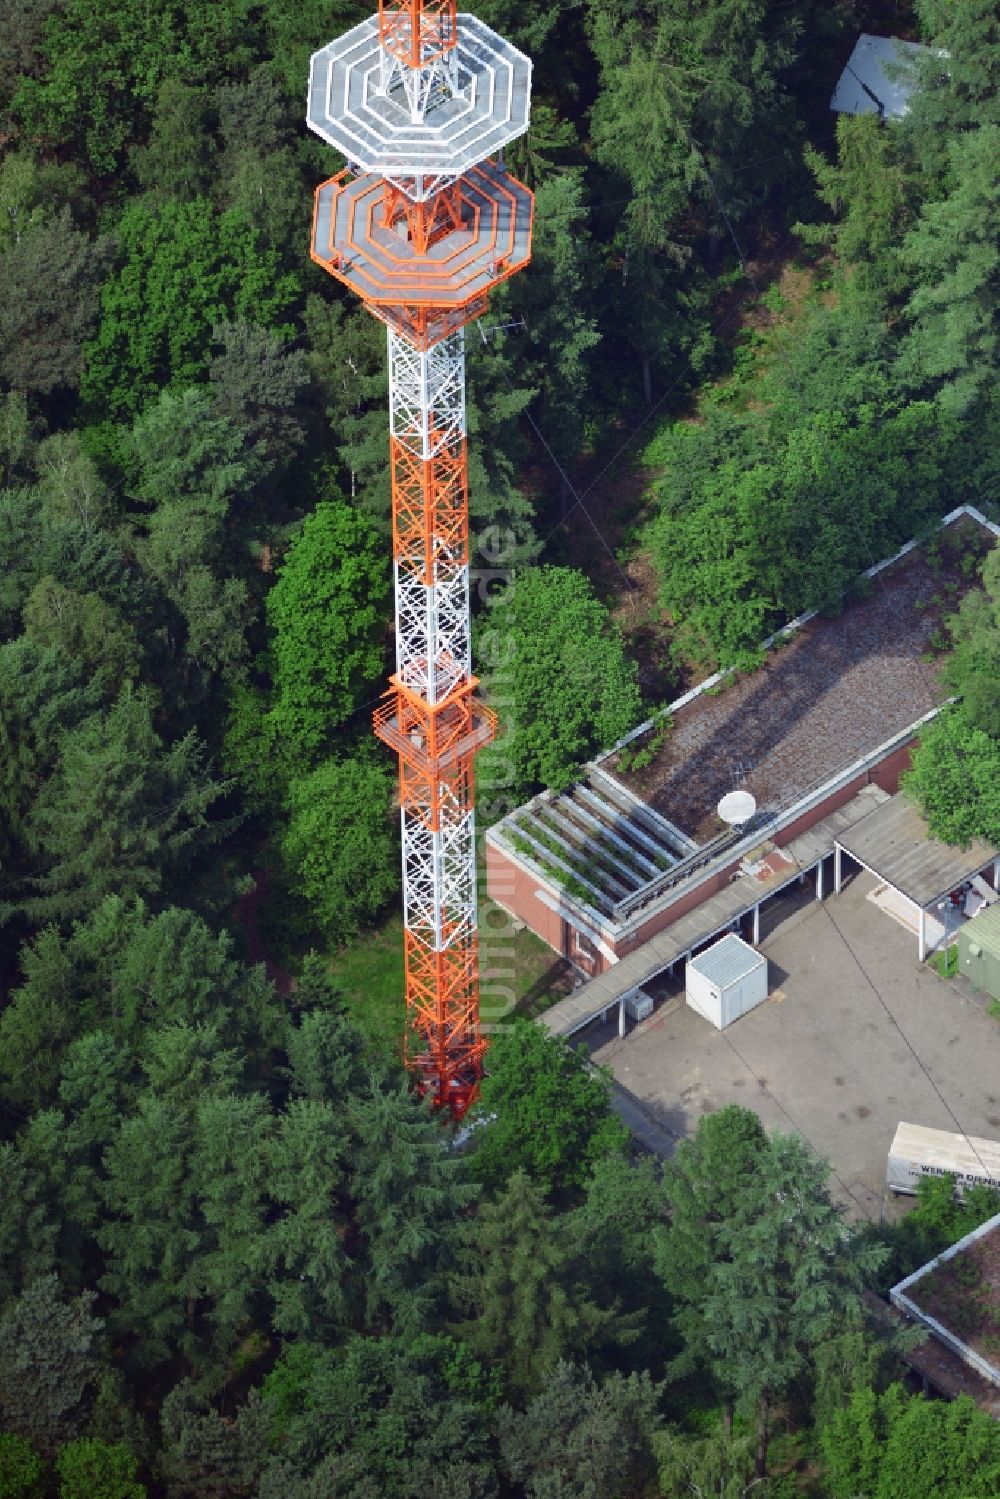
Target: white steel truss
(439,875)
(433,655)
(427,394)
(423,87)
(427,419)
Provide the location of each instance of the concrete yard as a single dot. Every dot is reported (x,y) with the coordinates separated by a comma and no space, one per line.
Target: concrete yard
(821,1056)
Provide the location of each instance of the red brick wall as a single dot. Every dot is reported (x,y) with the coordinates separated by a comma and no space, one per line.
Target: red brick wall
(688,901)
(513,887)
(886,774)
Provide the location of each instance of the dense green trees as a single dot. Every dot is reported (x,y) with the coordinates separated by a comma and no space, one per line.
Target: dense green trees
(773,509)
(308,1285)
(555,668)
(543,1111)
(327,612)
(956,767)
(896,1444)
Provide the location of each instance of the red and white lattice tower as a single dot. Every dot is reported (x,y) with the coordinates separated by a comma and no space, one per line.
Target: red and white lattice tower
(423,224)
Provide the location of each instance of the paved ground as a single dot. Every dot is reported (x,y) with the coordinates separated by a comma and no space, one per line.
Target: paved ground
(822,1056)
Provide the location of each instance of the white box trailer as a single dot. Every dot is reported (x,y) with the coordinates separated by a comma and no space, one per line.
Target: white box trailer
(917,1151)
(726,980)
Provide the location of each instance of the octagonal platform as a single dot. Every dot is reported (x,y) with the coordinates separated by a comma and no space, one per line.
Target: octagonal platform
(374,130)
(456,273)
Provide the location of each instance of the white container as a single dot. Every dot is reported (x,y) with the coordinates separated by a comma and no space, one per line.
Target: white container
(726,980)
(639,1006)
(917,1151)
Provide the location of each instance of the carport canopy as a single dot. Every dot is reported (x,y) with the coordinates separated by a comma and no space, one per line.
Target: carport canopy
(893,842)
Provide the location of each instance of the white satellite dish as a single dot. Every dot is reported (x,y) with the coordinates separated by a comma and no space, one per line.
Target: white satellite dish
(737,807)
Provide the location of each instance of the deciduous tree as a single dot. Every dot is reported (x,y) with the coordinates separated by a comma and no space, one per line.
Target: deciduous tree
(543,1111)
(341,846)
(182,268)
(955,779)
(556,664)
(91,1469)
(327,612)
(523,1289)
(897,1444)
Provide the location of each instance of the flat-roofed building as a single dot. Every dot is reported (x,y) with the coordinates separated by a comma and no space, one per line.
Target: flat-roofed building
(629,872)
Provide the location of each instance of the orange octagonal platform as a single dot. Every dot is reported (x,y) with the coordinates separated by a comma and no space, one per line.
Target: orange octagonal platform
(425,291)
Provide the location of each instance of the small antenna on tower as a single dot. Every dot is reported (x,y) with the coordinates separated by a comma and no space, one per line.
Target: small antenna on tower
(485,333)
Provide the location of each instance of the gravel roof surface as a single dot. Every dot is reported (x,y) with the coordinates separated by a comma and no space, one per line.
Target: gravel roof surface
(835,692)
(963,1294)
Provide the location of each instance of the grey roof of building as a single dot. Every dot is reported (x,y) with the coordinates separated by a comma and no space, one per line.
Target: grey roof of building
(877,78)
(894,843)
(830,693)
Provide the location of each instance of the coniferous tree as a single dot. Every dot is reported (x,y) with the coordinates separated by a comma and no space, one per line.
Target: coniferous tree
(29,1228)
(206,1456)
(952,254)
(872,192)
(50,280)
(956,84)
(409,1191)
(325,1050)
(49,1362)
(578,1438)
(304,1247)
(758,1259)
(161,1259)
(122,813)
(522,1287)
(258,382)
(44,693)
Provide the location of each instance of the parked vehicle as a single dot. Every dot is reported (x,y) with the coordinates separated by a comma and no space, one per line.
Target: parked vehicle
(917,1151)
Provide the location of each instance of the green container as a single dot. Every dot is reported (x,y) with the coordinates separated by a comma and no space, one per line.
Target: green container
(979,951)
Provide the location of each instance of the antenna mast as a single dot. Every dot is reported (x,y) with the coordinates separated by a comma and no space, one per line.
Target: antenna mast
(422,225)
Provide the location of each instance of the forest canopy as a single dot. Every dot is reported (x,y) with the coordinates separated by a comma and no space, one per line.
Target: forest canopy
(753,354)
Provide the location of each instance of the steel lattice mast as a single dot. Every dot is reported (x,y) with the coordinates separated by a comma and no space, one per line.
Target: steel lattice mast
(422,224)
